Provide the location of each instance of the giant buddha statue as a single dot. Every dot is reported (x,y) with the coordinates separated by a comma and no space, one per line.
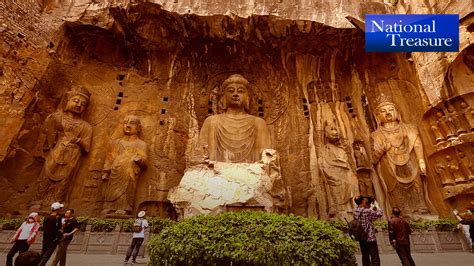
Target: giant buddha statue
(233,165)
(234,136)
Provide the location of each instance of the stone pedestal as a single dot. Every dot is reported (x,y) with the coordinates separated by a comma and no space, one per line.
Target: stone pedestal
(213,188)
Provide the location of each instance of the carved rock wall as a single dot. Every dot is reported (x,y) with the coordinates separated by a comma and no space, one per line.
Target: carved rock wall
(166,68)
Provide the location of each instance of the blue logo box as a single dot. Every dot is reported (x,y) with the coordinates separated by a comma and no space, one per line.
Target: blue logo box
(412,33)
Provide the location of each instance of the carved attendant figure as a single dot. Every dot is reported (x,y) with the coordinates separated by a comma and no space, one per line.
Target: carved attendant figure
(399,159)
(124,163)
(445,124)
(234,136)
(68,138)
(341,180)
(442,169)
(453,167)
(468,113)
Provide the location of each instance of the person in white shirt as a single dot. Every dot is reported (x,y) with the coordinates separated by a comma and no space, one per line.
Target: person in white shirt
(138,236)
(24,237)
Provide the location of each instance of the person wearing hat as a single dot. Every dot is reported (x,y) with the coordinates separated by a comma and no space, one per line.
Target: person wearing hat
(24,237)
(70,227)
(138,236)
(467,220)
(52,225)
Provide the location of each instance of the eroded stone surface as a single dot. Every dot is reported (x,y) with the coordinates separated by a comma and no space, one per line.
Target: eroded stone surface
(305,62)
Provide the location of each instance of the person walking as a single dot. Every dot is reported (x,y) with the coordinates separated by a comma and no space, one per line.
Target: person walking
(24,237)
(69,227)
(366,212)
(467,221)
(51,232)
(399,234)
(138,236)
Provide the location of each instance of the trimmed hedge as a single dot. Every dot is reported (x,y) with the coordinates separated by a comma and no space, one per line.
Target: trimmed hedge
(98,224)
(251,238)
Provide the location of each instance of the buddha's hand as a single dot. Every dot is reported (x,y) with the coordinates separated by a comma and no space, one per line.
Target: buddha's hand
(105,176)
(422,165)
(138,159)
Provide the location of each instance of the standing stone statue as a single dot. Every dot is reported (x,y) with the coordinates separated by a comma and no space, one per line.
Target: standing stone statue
(342,184)
(442,169)
(68,138)
(234,136)
(468,114)
(398,156)
(124,163)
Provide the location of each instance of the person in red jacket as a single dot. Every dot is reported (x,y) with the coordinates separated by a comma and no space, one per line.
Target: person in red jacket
(399,234)
(24,237)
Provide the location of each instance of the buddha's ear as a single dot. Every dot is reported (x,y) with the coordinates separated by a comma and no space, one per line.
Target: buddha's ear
(224,102)
(247,104)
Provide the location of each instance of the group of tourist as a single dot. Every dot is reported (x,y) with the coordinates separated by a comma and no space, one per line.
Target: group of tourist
(58,232)
(399,232)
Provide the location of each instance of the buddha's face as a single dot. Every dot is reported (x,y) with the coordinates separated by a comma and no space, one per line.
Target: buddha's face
(387,113)
(236,95)
(131,125)
(332,133)
(77,104)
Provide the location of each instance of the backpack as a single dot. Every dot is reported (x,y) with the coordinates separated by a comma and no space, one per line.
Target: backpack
(137,226)
(357,231)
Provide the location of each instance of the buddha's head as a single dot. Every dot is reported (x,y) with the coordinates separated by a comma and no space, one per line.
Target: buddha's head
(235,90)
(131,125)
(78,100)
(387,112)
(332,132)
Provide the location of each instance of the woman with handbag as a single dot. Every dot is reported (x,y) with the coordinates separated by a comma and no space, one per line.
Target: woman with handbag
(138,236)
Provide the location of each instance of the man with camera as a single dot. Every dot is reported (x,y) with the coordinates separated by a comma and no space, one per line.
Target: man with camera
(366,212)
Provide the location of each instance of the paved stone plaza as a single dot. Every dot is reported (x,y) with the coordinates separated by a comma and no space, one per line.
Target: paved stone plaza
(429,259)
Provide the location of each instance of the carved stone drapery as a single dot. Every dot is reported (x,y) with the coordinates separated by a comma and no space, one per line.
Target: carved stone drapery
(124,163)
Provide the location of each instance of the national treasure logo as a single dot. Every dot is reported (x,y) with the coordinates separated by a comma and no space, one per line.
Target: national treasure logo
(412,33)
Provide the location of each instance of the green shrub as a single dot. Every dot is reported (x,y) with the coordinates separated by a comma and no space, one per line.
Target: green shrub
(442,225)
(251,238)
(158,224)
(11,224)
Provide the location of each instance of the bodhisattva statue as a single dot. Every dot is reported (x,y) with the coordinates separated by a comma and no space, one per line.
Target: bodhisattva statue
(342,183)
(68,138)
(398,156)
(124,163)
(234,136)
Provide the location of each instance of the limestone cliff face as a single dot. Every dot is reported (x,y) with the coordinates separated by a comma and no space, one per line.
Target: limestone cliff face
(165,60)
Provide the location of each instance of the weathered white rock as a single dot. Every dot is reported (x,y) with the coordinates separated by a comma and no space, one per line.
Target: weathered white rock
(210,188)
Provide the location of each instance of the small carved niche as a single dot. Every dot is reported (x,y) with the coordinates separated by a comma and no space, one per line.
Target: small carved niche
(118,100)
(260,108)
(350,107)
(305,108)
